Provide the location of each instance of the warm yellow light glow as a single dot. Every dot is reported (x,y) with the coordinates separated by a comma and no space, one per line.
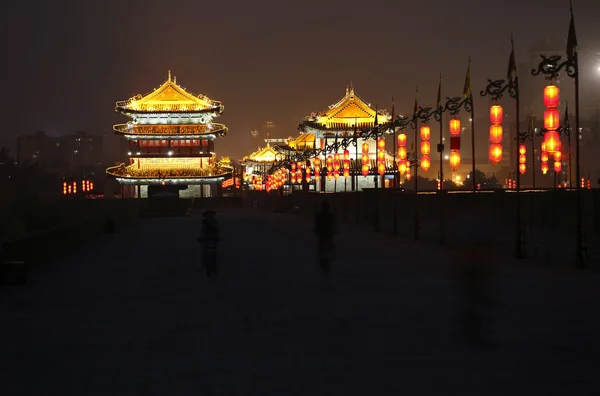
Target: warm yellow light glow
(551,96)
(552,141)
(551,119)
(496,133)
(425,163)
(496,114)
(454,127)
(425,132)
(401,140)
(495,153)
(522,149)
(425,147)
(454,160)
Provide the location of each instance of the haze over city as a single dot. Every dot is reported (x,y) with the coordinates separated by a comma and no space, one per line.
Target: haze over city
(68,62)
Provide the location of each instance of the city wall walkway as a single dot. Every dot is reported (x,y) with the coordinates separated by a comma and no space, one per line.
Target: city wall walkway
(133,314)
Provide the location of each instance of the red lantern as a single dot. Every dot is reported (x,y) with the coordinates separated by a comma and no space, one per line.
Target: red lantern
(346,154)
(381,144)
(522,159)
(522,168)
(543,146)
(381,168)
(425,162)
(365,170)
(544,156)
(454,127)
(496,114)
(496,133)
(454,160)
(346,173)
(557,166)
(380,156)
(402,152)
(402,167)
(365,148)
(552,140)
(365,159)
(408,176)
(425,147)
(495,153)
(401,140)
(317,169)
(329,163)
(425,132)
(551,96)
(557,156)
(522,149)
(544,167)
(551,119)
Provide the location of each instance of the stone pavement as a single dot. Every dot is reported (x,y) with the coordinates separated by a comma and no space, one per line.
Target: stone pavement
(132,314)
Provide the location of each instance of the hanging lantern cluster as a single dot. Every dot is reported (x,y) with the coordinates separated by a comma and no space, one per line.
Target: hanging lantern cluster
(454,143)
(365,159)
(307,170)
(346,163)
(257,183)
(317,169)
(293,173)
(552,144)
(544,158)
(276,180)
(557,162)
(336,166)
(329,167)
(403,165)
(381,156)
(299,174)
(522,159)
(425,148)
(496,118)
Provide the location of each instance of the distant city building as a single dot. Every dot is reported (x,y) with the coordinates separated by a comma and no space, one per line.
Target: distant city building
(171,139)
(66,154)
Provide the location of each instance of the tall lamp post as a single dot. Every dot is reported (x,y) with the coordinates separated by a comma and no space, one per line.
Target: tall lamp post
(496,89)
(551,67)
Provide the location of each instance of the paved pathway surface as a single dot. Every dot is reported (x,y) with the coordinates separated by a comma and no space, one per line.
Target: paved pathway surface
(132,314)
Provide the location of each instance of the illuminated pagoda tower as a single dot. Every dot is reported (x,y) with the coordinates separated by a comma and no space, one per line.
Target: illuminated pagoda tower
(171,138)
(342,119)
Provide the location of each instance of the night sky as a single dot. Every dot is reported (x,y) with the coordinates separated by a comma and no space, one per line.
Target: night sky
(66,63)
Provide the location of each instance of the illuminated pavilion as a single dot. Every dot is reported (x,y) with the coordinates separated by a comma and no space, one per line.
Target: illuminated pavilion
(341,119)
(171,138)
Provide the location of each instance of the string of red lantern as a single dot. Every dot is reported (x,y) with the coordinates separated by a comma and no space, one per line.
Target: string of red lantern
(346,163)
(425,148)
(329,167)
(365,159)
(454,143)
(402,154)
(522,159)
(496,134)
(381,156)
(551,143)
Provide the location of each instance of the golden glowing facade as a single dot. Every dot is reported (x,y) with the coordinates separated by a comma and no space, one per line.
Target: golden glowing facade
(171,138)
(343,116)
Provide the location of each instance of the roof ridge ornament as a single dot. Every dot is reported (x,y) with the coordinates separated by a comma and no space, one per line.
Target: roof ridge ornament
(169,75)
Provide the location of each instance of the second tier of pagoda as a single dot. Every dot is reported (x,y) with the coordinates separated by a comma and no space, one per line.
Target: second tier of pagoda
(171,138)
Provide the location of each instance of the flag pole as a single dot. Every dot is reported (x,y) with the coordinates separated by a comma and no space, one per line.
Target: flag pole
(416,120)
